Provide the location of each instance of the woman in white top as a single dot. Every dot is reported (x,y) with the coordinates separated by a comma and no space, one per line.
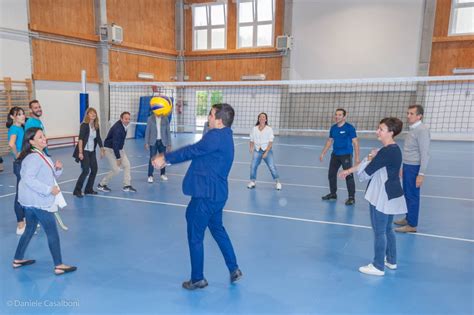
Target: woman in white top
(261,139)
(384,194)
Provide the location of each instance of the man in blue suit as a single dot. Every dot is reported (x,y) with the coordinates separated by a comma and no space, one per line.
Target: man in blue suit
(206,183)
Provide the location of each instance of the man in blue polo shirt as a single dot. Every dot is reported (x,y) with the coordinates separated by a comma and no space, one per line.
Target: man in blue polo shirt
(343,138)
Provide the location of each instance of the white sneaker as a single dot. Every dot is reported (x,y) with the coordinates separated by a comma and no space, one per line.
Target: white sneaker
(389,265)
(251,185)
(278,186)
(164,177)
(371,270)
(150,179)
(20,231)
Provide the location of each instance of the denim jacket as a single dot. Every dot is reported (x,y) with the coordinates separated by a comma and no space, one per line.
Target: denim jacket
(37,181)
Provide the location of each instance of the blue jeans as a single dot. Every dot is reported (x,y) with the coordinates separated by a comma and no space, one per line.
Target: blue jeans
(47,220)
(385,244)
(160,148)
(20,213)
(412,193)
(257,159)
(200,214)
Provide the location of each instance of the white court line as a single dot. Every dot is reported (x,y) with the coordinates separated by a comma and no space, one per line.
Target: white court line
(75,179)
(321,187)
(363,148)
(276,217)
(325,168)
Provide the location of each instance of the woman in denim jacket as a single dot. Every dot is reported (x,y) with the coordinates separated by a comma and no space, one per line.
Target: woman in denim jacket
(37,191)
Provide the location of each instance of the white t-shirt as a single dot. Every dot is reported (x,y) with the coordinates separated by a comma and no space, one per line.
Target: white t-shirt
(158,127)
(261,138)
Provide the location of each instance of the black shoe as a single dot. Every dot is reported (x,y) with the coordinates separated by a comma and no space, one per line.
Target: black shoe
(103,188)
(92,192)
(329,197)
(236,275)
(189,285)
(350,201)
(78,194)
(129,188)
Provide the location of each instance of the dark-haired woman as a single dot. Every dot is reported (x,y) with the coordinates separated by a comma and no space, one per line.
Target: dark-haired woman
(384,193)
(261,140)
(37,193)
(89,138)
(15,122)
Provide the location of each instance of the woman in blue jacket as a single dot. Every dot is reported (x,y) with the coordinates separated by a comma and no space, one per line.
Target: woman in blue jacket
(37,193)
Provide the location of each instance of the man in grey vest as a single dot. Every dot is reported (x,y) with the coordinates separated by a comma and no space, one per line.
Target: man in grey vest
(415,162)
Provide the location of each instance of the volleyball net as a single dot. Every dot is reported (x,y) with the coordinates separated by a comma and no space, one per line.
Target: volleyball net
(307,107)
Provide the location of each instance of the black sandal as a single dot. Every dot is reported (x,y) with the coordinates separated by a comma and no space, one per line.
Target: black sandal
(23,263)
(64,270)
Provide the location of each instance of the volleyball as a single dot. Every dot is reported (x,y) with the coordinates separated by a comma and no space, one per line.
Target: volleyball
(161,105)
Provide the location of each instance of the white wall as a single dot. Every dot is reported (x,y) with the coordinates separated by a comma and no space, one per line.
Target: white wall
(60,103)
(344,39)
(15,60)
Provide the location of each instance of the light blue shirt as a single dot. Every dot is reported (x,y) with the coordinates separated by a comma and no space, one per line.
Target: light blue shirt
(33,122)
(19,132)
(37,181)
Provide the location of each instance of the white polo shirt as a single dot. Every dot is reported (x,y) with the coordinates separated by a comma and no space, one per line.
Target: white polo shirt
(261,138)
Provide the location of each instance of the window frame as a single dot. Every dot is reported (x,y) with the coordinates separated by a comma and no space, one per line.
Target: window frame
(209,27)
(255,23)
(453,17)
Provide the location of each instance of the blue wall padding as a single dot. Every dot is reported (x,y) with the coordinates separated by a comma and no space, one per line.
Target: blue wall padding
(143,113)
(83,105)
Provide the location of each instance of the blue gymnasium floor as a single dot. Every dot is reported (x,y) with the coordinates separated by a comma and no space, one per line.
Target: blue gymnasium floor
(298,253)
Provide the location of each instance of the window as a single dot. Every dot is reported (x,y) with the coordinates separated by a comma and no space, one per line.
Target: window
(209,26)
(462,17)
(205,100)
(255,23)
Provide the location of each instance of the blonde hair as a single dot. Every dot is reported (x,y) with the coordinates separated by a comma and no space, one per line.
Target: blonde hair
(96,120)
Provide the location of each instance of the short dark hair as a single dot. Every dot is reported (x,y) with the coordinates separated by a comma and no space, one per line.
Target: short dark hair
(124,113)
(393,124)
(342,110)
(419,109)
(32,102)
(266,118)
(225,112)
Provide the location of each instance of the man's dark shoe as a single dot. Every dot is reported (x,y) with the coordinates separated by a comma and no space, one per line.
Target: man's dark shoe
(189,285)
(235,275)
(92,192)
(350,201)
(78,193)
(129,189)
(329,197)
(103,188)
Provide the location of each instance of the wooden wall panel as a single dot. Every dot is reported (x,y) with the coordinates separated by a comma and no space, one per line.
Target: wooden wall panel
(125,67)
(449,52)
(449,55)
(233,69)
(443,11)
(75,18)
(63,62)
(146,24)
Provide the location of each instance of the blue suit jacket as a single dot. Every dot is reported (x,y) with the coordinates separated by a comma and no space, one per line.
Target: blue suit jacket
(212,159)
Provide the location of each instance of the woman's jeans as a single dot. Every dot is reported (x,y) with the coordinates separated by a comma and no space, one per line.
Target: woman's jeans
(20,213)
(47,220)
(257,159)
(384,238)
